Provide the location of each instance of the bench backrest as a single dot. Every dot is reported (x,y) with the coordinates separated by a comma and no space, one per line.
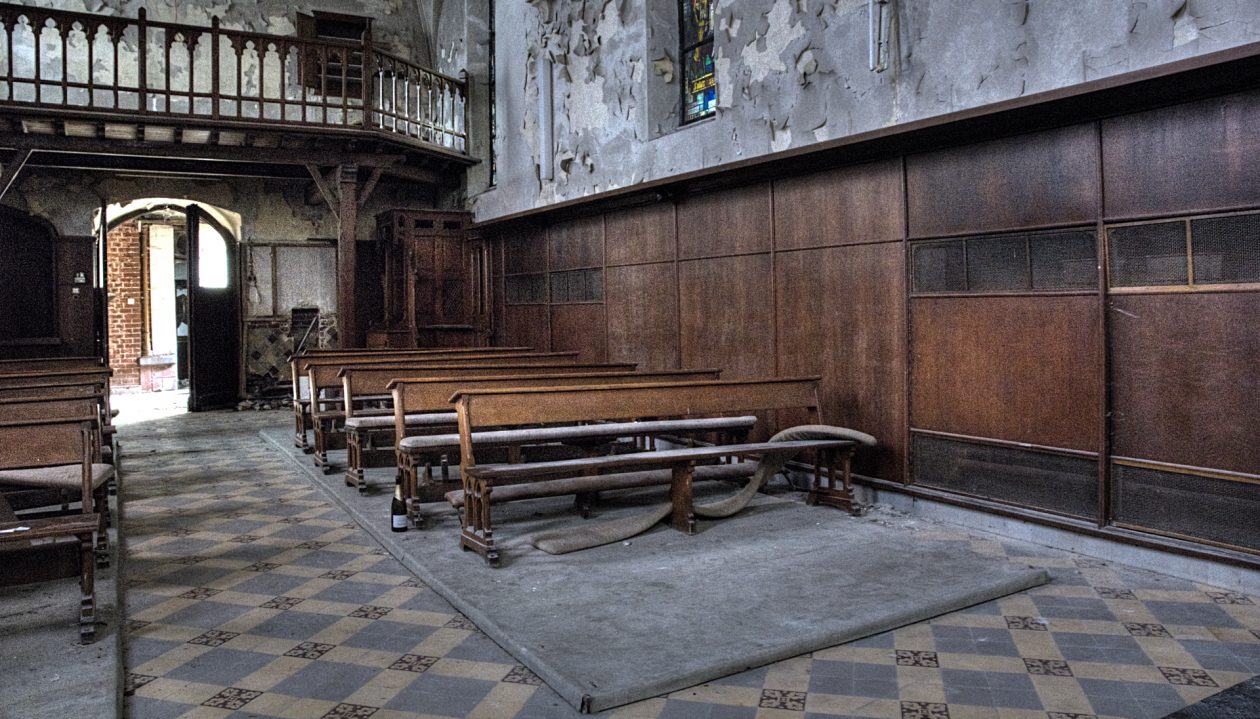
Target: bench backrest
(27,408)
(359,380)
(298,364)
(45,442)
(592,403)
(54,391)
(70,376)
(49,363)
(415,396)
(322,375)
(301,365)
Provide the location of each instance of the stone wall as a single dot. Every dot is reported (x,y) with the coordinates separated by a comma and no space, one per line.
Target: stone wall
(791,74)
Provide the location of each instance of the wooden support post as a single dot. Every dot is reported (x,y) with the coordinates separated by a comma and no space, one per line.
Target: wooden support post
(347,261)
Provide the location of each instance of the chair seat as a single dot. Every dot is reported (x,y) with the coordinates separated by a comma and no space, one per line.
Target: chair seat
(66,476)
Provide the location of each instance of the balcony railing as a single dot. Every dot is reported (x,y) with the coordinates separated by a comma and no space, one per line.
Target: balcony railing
(106,65)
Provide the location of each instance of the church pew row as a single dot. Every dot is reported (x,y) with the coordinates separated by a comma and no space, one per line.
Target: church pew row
(55,455)
(616,410)
(324,383)
(64,383)
(298,365)
(362,385)
(424,421)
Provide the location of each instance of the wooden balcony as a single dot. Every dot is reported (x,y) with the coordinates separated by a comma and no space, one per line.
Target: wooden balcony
(106,85)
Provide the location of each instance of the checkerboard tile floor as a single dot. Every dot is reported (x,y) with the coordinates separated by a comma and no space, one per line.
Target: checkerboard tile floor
(250,595)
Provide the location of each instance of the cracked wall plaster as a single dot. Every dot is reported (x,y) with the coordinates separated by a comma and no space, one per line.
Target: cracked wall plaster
(794,72)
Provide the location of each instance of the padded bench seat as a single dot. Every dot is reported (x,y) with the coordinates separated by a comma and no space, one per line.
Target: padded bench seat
(426,419)
(68,476)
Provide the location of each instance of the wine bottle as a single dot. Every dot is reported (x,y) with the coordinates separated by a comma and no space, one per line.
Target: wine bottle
(398,511)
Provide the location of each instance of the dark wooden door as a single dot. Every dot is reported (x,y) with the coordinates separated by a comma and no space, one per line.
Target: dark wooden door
(213,315)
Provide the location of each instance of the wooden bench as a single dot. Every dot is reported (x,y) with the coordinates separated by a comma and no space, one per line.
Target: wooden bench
(298,368)
(614,407)
(362,385)
(23,562)
(57,454)
(424,421)
(62,383)
(325,385)
(44,364)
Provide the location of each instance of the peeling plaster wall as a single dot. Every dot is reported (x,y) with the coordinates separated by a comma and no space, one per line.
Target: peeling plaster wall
(396,24)
(792,73)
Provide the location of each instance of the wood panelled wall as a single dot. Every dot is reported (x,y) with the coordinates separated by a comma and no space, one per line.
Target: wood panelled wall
(807,274)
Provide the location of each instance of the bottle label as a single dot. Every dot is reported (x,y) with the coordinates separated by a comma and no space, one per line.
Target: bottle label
(399,521)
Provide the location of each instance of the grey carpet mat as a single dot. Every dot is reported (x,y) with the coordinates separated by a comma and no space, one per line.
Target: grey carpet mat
(665,611)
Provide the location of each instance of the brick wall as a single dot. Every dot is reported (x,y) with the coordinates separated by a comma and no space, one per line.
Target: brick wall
(125,303)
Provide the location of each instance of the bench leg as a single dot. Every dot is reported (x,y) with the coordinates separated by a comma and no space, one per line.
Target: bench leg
(477,534)
(683,517)
(87,588)
(321,446)
(830,495)
(101,500)
(354,461)
(584,502)
(300,426)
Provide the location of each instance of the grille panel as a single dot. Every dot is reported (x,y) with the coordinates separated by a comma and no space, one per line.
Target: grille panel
(1051,482)
(1226,249)
(1064,260)
(1216,510)
(997,263)
(1148,255)
(939,266)
(526,289)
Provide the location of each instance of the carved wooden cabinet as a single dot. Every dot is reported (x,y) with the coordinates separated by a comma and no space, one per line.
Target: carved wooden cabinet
(435,281)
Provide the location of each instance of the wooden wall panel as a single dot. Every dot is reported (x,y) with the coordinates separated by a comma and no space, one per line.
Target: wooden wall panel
(1187,158)
(841,314)
(640,234)
(839,207)
(1186,379)
(727,317)
(576,243)
(642,302)
(1019,182)
(1022,369)
(526,326)
(76,302)
(725,222)
(580,328)
(525,250)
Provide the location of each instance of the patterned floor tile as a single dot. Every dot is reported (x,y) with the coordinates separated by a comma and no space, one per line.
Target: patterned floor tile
(249,594)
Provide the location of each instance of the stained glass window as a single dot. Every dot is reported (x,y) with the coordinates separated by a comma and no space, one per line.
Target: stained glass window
(695,33)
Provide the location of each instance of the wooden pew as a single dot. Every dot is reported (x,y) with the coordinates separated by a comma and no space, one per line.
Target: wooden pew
(421,405)
(52,384)
(323,381)
(615,409)
(56,454)
(298,367)
(361,384)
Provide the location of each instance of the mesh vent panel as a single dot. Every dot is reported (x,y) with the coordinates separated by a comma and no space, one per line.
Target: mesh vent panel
(1068,485)
(577,286)
(1226,249)
(526,289)
(997,263)
(939,266)
(1217,510)
(1144,255)
(1064,260)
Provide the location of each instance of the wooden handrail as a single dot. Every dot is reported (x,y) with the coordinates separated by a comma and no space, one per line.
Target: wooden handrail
(176,71)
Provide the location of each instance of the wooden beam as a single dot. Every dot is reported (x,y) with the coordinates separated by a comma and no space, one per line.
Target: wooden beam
(347,257)
(324,189)
(208,153)
(12,168)
(414,174)
(368,186)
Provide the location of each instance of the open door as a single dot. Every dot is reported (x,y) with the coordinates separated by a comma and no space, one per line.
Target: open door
(213,315)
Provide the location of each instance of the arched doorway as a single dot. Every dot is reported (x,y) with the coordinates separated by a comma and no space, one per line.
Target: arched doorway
(179,264)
